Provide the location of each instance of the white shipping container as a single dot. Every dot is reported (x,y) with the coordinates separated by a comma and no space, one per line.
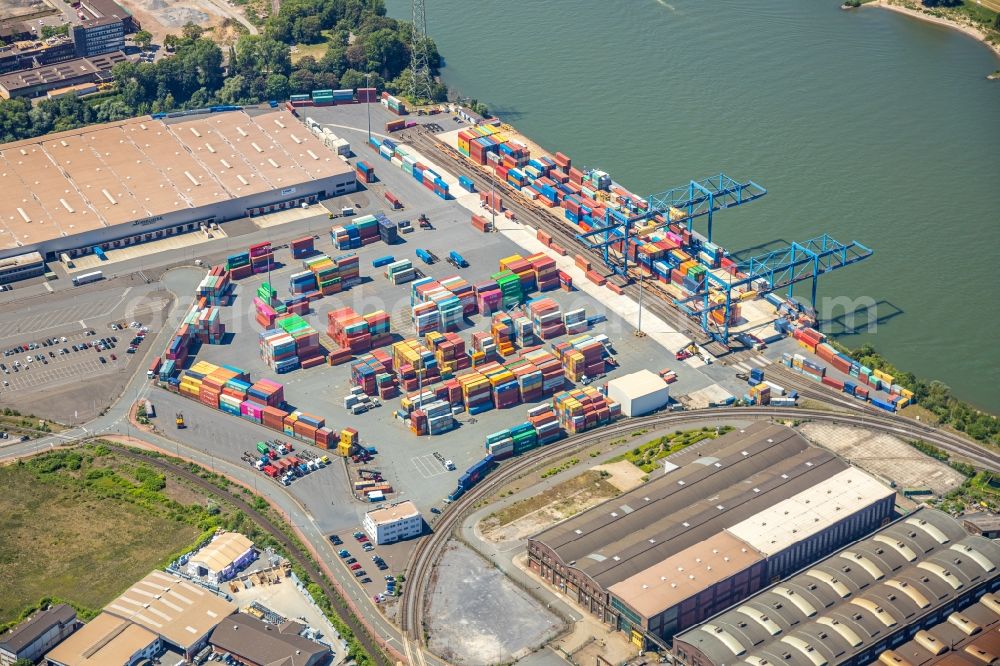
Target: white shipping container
(639,393)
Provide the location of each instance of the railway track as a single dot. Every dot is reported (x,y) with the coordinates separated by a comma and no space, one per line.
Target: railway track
(653,300)
(298,555)
(428,551)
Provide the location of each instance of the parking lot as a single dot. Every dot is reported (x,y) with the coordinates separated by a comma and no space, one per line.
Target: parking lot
(52,345)
(379,581)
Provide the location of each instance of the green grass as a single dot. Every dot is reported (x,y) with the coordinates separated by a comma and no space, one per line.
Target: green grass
(83,528)
(647,456)
(317,50)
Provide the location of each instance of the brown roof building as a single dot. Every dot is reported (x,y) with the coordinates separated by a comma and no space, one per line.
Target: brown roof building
(713,530)
(105,641)
(851,607)
(180,613)
(257,643)
(38,634)
(141,179)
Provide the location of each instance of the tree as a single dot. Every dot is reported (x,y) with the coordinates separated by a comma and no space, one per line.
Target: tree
(302,81)
(233,90)
(143,39)
(23,661)
(192,31)
(996,22)
(386,53)
(53,30)
(171,42)
(276,87)
(259,55)
(307,30)
(333,61)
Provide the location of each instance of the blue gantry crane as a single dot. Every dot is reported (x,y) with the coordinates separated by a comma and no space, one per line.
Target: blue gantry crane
(680,205)
(771,271)
(784,267)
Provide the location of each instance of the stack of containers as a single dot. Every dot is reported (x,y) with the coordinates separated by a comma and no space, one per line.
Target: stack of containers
(264,313)
(576,321)
(414,363)
(302,247)
(366,371)
(349,269)
(322,97)
(266,393)
(167,370)
(365,172)
(303,282)
(394,104)
(348,441)
(233,394)
(206,325)
(426,318)
(523,269)
(297,304)
(510,288)
(546,318)
(476,392)
(326,273)
(760,394)
(583,409)
(551,369)
(239,265)
(261,257)
(306,425)
(449,350)
(277,348)
(502,330)
(215,286)
(524,334)
(546,271)
(464,291)
(307,347)
(529,379)
(489,298)
(581,357)
(808,338)
(546,423)
(400,272)
(364,230)
(177,350)
(343,96)
(484,347)
(388,230)
(506,392)
(352,331)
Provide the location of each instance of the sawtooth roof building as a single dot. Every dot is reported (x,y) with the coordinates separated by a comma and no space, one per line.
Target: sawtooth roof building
(141,179)
(730,516)
(859,605)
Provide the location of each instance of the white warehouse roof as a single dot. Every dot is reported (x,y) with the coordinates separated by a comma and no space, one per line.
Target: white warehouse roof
(810,511)
(639,393)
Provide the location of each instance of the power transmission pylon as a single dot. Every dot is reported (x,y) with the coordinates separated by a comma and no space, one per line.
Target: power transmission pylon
(420,86)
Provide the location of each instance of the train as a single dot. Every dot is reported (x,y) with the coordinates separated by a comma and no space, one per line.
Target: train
(472,476)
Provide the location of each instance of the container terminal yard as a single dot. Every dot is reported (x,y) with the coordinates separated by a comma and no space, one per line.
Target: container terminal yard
(433,312)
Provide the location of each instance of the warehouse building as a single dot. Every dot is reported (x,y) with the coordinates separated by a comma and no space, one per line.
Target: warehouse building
(874,596)
(256,643)
(671,552)
(40,80)
(639,393)
(969,637)
(393,523)
(181,614)
(138,180)
(38,634)
(106,640)
(221,559)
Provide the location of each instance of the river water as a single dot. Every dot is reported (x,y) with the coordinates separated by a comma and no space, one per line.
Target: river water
(865,124)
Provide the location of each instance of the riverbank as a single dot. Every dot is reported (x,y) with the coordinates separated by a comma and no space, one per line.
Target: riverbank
(959,23)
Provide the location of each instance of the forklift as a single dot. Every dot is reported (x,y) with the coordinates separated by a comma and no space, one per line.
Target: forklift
(424,222)
(179,420)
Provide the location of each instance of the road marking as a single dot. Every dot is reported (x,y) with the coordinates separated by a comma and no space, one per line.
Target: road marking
(84,325)
(49,287)
(759,361)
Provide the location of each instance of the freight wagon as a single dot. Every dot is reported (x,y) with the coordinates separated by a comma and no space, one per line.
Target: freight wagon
(472,476)
(88,277)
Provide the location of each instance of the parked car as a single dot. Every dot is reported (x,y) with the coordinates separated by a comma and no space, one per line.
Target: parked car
(355,567)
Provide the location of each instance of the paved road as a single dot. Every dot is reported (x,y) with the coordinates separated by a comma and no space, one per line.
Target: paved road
(114,422)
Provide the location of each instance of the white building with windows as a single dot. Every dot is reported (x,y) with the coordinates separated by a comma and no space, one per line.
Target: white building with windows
(392,523)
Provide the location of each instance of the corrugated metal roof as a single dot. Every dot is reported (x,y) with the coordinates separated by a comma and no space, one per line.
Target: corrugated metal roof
(857,596)
(750,470)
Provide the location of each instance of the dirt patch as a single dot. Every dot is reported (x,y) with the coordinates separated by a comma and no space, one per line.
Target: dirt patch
(624,475)
(477,616)
(164,17)
(531,515)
